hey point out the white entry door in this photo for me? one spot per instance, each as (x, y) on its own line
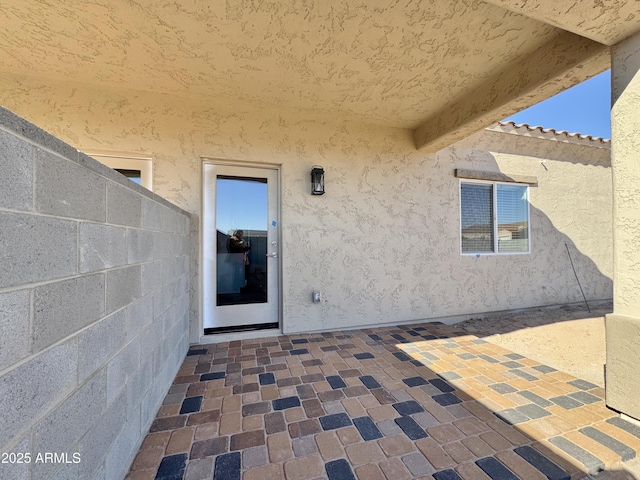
(240, 248)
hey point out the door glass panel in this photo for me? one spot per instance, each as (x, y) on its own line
(241, 229)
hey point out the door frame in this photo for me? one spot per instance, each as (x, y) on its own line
(201, 233)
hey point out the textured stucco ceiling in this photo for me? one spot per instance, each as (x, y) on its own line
(607, 22)
(386, 62)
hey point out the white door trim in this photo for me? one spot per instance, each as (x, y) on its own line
(206, 270)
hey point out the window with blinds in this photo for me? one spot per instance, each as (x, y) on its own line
(494, 217)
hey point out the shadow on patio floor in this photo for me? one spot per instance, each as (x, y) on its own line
(419, 401)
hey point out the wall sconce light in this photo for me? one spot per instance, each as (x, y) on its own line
(317, 180)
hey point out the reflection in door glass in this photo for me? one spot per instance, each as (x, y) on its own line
(241, 224)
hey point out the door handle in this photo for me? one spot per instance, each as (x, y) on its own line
(274, 254)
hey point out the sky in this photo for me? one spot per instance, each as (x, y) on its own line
(583, 109)
(241, 204)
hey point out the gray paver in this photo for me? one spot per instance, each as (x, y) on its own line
(566, 402)
(303, 446)
(512, 364)
(582, 384)
(257, 456)
(417, 464)
(502, 388)
(426, 420)
(584, 397)
(628, 427)
(533, 411)
(544, 369)
(511, 416)
(592, 463)
(389, 428)
(537, 399)
(524, 375)
(200, 469)
(489, 359)
(625, 452)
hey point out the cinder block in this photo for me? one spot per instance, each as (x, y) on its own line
(137, 387)
(151, 276)
(186, 224)
(168, 320)
(11, 121)
(169, 270)
(66, 189)
(69, 471)
(151, 214)
(162, 245)
(64, 307)
(184, 283)
(17, 471)
(124, 448)
(100, 342)
(67, 424)
(101, 474)
(36, 386)
(182, 265)
(139, 315)
(161, 301)
(101, 169)
(139, 246)
(170, 220)
(101, 247)
(121, 367)
(16, 172)
(98, 441)
(34, 249)
(15, 308)
(151, 338)
(124, 206)
(124, 286)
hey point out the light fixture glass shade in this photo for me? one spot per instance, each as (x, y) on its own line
(317, 180)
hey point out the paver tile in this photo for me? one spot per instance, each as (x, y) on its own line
(396, 445)
(394, 468)
(304, 468)
(415, 401)
(329, 445)
(471, 471)
(369, 472)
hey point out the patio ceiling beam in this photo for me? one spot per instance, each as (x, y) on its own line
(563, 62)
(604, 22)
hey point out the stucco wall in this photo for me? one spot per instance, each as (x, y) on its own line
(382, 244)
(93, 308)
(623, 326)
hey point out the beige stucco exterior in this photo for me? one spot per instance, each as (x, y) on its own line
(623, 327)
(383, 244)
(376, 92)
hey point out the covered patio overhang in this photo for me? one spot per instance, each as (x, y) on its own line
(440, 69)
(434, 72)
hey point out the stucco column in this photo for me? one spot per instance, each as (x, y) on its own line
(623, 326)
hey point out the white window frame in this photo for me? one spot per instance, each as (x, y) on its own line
(128, 161)
(494, 192)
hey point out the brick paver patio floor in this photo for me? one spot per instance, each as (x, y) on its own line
(418, 401)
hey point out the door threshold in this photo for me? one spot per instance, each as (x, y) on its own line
(240, 328)
(209, 338)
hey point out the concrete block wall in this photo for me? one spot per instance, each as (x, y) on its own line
(94, 309)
